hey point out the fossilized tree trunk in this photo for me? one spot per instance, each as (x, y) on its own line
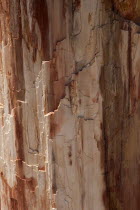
(69, 104)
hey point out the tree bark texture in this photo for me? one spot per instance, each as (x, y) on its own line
(69, 104)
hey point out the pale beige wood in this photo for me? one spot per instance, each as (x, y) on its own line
(69, 105)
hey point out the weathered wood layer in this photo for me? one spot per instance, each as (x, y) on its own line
(69, 104)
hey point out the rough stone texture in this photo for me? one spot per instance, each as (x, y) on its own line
(128, 9)
(69, 105)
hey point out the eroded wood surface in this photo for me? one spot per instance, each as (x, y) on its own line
(69, 105)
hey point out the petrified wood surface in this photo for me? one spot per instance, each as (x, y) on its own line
(128, 9)
(69, 105)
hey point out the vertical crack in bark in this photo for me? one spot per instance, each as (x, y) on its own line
(106, 196)
(40, 13)
(129, 66)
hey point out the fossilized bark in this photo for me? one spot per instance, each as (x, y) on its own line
(69, 104)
